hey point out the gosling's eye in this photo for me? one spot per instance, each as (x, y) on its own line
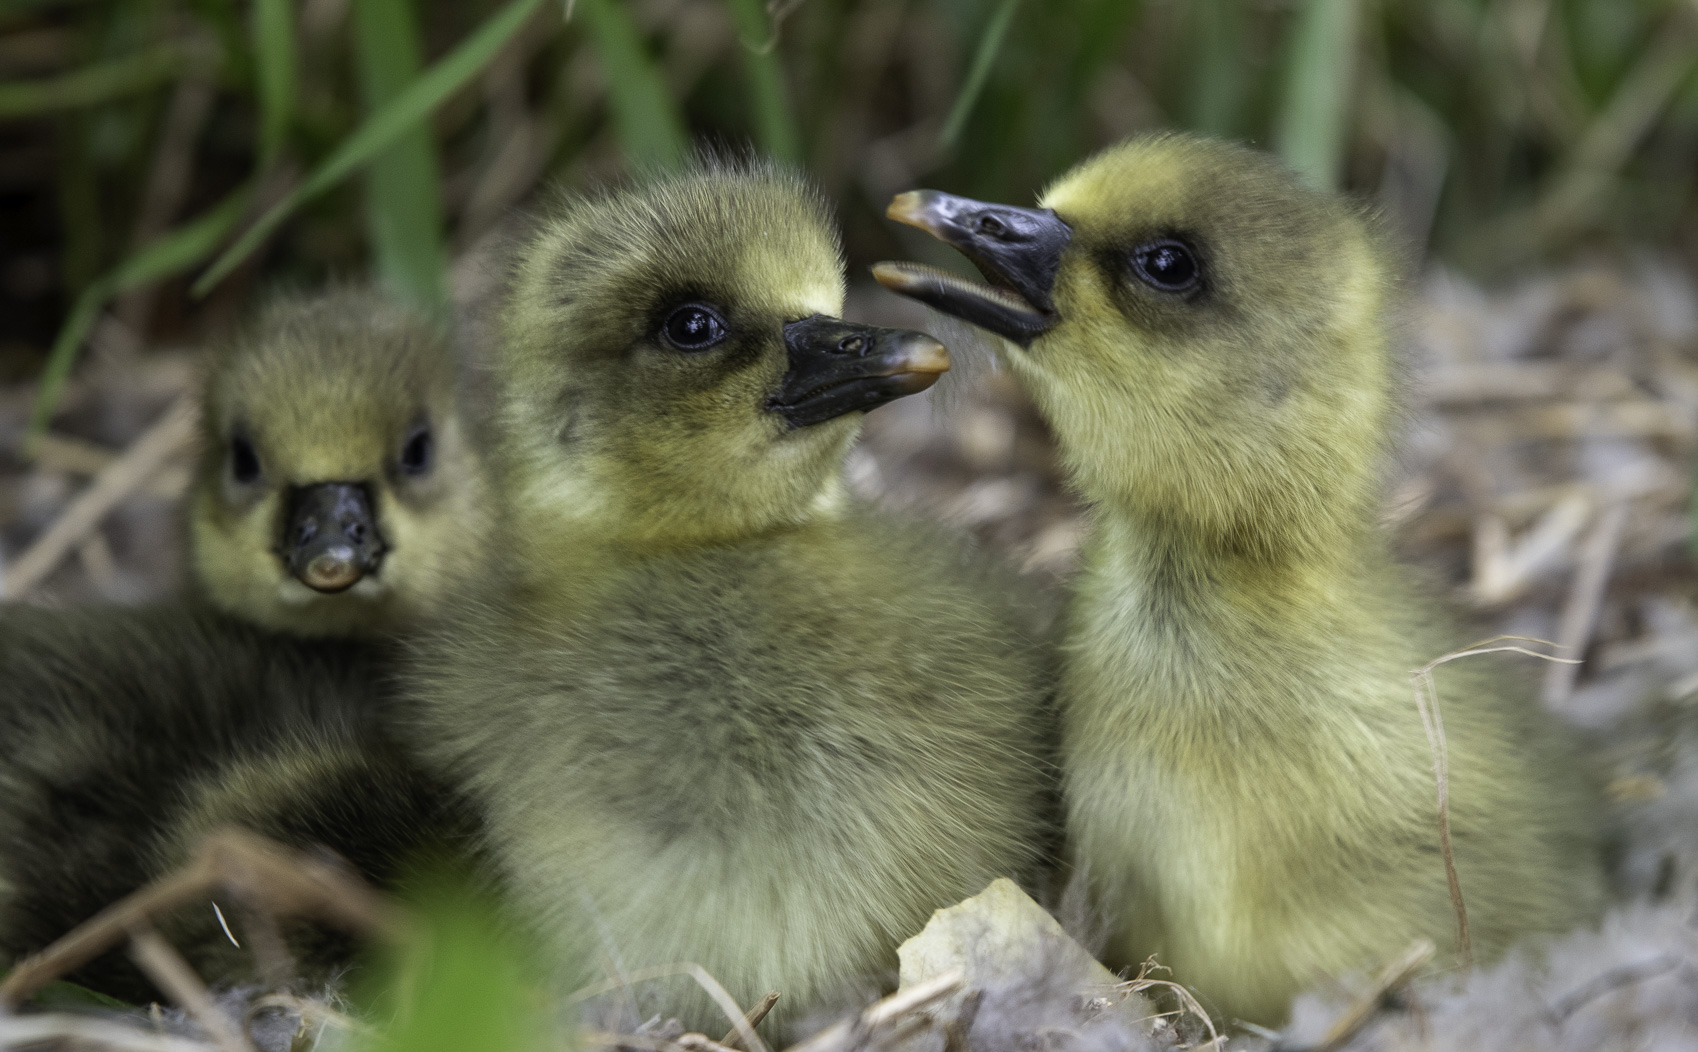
(244, 462)
(417, 452)
(1167, 265)
(693, 327)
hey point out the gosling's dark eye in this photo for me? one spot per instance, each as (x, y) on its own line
(416, 453)
(1167, 265)
(244, 462)
(693, 327)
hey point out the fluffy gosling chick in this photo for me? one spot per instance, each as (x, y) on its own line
(720, 714)
(338, 496)
(339, 492)
(1249, 789)
(127, 734)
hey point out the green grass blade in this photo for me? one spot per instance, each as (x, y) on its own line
(403, 203)
(91, 85)
(990, 45)
(648, 124)
(773, 123)
(1310, 127)
(275, 57)
(171, 254)
(380, 130)
(460, 984)
(1217, 89)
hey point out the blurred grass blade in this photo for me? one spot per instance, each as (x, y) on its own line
(403, 206)
(274, 57)
(990, 45)
(91, 84)
(773, 123)
(649, 127)
(461, 984)
(1217, 90)
(380, 130)
(1309, 129)
(171, 254)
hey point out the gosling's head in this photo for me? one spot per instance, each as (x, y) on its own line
(673, 369)
(1205, 334)
(338, 491)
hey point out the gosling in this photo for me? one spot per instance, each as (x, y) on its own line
(339, 500)
(340, 491)
(1249, 789)
(719, 713)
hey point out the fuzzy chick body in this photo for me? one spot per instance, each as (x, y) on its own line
(718, 714)
(331, 426)
(127, 734)
(1249, 788)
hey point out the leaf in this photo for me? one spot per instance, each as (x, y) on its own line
(61, 994)
(774, 126)
(403, 203)
(990, 45)
(380, 130)
(171, 254)
(91, 85)
(275, 56)
(649, 128)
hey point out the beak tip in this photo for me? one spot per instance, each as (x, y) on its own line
(909, 207)
(331, 574)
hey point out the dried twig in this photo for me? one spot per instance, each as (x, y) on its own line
(1188, 1003)
(173, 432)
(1432, 721)
(166, 967)
(1580, 613)
(897, 1009)
(756, 1014)
(1609, 982)
(1396, 974)
(239, 864)
(727, 1004)
(87, 1032)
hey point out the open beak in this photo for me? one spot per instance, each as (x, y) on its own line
(330, 537)
(839, 367)
(1017, 250)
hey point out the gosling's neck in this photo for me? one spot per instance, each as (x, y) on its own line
(572, 522)
(1189, 592)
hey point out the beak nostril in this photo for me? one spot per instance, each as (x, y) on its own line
(853, 345)
(991, 226)
(355, 532)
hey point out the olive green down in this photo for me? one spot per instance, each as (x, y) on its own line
(717, 712)
(1249, 789)
(330, 388)
(126, 734)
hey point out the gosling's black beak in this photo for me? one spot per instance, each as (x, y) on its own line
(330, 537)
(837, 367)
(1018, 250)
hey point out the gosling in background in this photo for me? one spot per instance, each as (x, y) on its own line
(1249, 789)
(339, 498)
(718, 713)
(340, 490)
